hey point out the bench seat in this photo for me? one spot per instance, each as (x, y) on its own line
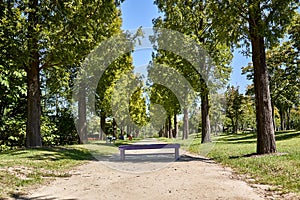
(122, 148)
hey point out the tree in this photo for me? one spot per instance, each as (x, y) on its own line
(259, 23)
(164, 96)
(234, 110)
(53, 34)
(189, 17)
(106, 88)
(283, 69)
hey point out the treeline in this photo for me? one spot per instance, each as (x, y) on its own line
(239, 114)
(44, 43)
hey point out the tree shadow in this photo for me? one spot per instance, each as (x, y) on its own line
(285, 135)
(189, 158)
(251, 137)
(60, 153)
(256, 155)
(19, 196)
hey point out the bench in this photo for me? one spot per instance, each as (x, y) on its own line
(122, 148)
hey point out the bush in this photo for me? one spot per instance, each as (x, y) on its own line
(12, 133)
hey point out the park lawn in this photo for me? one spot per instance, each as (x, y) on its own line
(237, 151)
(22, 168)
(282, 171)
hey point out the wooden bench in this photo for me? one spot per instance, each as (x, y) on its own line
(122, 148)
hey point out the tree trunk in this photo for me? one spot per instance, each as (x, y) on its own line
(185, 124)
(33, 132)
(114, 124)
(33, 127)
(128, 130)
(265, 129)
(273, 115)
(288, 119)
(233, 126)
(166, 133)
(137, 133)
(205, 117)
(170, 127)
(236, 125)
(281, 113)
(160, 133)
(82, 126)
(175, 127)
(102, 125)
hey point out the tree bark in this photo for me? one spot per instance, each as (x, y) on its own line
(33, 132)
(170, 126)
(175, 127)
(282, 124)
(288, 119)
(33, 127)
(166, 133)
(273, 115)
(205, 117)
(82, 126)
(102, 125)
(114, 124)
(265, 129)
(233, 126)
(185, 133)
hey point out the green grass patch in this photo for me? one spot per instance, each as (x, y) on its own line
(238, 152)
(280, 171)
(26, 167)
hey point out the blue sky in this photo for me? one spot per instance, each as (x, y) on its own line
(136, 13)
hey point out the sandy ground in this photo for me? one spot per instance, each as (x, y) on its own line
(139, 177)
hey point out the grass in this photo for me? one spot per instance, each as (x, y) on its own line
(25, 167)
(280, 171)
(22, 168)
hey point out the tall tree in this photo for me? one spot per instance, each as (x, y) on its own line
(54, 34)
(106, 88)
(234, 110)
(259, 23)
(189, 17)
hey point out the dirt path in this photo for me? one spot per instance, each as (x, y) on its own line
(191, 177)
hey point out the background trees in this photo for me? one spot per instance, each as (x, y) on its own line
(190, 18)
(42, 44)
(42, 35)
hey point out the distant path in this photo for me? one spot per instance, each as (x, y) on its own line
(191, 177)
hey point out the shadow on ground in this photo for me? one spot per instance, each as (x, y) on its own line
(251, 137)
(17, 196)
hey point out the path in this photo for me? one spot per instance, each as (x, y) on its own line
(189, 178)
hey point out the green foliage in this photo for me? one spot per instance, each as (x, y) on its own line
(230, 20)
(138, 108)
(165, 97)
(283, 68)
(295, 118)
(53, 37)
(233, 106)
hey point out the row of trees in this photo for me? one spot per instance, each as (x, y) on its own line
(43, 44)
(257, 25)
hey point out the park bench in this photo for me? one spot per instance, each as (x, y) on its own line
(122, 148)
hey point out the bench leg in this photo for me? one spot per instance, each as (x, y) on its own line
(122, 154)
(176, 153)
